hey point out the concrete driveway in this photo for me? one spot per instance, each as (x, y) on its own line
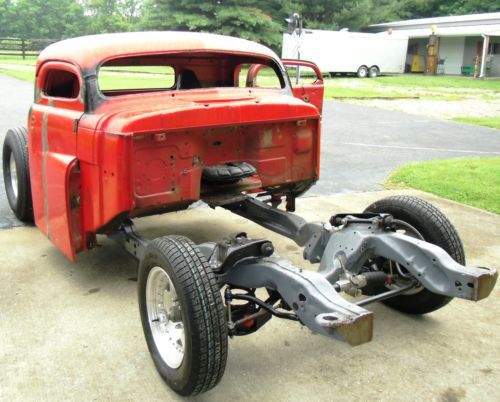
(73, 332)
(360, 145)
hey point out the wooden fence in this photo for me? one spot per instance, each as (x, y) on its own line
(23, 47)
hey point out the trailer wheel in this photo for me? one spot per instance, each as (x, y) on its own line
(373, 72)
(433, 226)
(16, 173)
(182, 315)
(362, 72)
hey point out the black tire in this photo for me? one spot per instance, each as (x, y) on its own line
(203, 314)
(373, 72)
(362, 72)
(15, 148)
(435, 228)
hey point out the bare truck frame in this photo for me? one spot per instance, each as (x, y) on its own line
(342, 247)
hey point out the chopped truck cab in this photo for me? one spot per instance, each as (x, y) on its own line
(135, 124)
(101, 156)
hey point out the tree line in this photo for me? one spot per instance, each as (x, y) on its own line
(259, 20)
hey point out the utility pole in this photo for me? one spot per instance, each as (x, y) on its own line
(295, 24)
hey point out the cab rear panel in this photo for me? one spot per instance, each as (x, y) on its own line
(140, 172)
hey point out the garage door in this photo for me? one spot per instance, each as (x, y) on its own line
(452, 50)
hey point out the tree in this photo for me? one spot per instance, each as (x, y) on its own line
(227, 17)
(262, 20)
(458, 7)
(112, 15)
(6, 18)
(337, 14)
(52, 19)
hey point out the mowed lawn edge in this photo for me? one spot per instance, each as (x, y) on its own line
(471, 181)
(489, 121)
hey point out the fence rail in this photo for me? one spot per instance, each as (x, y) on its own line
(23, 47)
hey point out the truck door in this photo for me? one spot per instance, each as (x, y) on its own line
(309, 86)
(309, 89)
(54, 172)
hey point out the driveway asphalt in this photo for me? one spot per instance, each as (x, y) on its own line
(361, 145)
(15, 100)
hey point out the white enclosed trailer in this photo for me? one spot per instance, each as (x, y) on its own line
(364, 54)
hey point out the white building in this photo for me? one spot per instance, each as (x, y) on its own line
(460, 39)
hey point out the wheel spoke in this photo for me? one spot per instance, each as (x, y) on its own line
(165, 317)
(13, 175)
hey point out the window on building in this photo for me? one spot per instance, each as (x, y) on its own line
(494, 48)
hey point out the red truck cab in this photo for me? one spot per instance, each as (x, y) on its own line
(102, 153)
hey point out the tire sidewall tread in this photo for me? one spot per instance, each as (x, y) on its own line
(203, 314)
(435, 228)
(16, 143)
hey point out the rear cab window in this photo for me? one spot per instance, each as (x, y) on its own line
(193, 71)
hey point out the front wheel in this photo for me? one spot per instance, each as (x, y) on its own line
(429, 224)
(182, 315)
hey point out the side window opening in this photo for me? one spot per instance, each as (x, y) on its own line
(258, 75)
(61, 84)
(301, 74)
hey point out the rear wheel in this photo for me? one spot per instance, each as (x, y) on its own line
(430, 224)
(362, 72)
(16, 174)
(182, 315)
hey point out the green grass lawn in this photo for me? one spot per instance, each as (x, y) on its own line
(25, 75)
(439, 81)
(411, 85)
(493, 121)
(18, 60)
(338, 92)
(472, 181)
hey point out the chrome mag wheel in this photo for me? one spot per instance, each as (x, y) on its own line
(13, 175)
(165, 317)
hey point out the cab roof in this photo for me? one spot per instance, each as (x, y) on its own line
(89, 51)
